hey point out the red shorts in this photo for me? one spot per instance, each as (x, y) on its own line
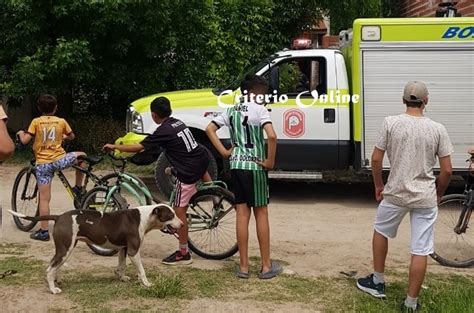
(184, 192)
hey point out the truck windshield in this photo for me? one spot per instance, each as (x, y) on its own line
(249, 70)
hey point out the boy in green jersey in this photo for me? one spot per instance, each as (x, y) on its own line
(249, 163)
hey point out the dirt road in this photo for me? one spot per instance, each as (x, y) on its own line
(319, 229)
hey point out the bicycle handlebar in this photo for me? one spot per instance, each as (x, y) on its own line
(115, 158)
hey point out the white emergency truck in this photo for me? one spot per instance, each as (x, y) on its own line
(357, 86)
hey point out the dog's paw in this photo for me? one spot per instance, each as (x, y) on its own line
(56, 291)
(147, 284)
(124, 278)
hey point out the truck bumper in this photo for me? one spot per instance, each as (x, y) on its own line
(129, 139)
(145, 157)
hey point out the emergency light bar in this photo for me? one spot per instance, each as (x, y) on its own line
(302, 43)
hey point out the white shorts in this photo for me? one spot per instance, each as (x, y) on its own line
(389, 217)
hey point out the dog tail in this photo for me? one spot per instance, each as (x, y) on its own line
(35, 218)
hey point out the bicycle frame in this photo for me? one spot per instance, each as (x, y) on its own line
(131, 185)
(88, 175)
(205, 219)
(66, 184)
(28, 175)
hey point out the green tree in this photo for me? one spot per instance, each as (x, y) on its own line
(111, 52)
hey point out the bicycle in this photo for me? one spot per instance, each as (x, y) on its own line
(25, 196)
(454, 241)
(208, 217)
(211, 217)
(29, 191)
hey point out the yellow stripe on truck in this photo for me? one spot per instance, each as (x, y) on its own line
(420, 29)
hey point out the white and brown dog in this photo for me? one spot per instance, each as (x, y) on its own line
(123, 230)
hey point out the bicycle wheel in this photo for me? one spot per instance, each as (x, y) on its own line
(453, 249)
(133, 200)
(25, 198)
(95, 199)
(211, 221)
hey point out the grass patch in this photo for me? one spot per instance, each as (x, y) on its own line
(28, 271)
(13, 248)
(164, 287)
(97, 289)
(142, 170)
(444, 293)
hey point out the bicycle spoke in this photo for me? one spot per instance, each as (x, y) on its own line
(449, 245)
(219, 237)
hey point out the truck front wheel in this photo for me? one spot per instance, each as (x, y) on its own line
(166, 182)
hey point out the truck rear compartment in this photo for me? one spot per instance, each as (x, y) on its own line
(449, 75)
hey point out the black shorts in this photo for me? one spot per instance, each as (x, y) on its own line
(250, 187)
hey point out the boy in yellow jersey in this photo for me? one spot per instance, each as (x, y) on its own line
(48, 132)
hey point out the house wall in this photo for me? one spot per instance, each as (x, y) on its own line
(427, 8)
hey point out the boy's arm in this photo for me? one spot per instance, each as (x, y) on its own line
(377, 159)
(444, 177)
(123, 148)
(6, 144)
(269, 162)
(211, 132)
(24, 137)
(445, 149)
(68, 134)
(377, 168)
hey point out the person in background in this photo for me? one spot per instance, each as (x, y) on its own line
(6, 144)
(413, 144)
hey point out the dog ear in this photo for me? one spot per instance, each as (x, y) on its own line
(163, 212)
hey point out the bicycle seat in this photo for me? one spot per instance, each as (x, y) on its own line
(92, 160)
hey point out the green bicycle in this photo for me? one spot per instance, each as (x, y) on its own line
(211, 213)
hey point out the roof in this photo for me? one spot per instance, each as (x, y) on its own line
(414, 20)
(308, 52)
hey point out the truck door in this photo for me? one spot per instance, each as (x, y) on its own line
(307, 137)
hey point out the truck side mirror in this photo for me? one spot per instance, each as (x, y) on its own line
(274, 79)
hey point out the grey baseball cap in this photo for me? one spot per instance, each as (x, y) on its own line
(415, 91)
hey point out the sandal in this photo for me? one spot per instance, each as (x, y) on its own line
(275, 270)
(240, 274)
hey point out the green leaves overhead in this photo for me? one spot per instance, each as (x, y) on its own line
(127, 49)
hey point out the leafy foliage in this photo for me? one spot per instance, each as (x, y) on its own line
(116, 51)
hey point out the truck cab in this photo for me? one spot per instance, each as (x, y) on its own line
(309, 105)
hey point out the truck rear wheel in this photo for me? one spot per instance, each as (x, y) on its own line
(166, 183)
